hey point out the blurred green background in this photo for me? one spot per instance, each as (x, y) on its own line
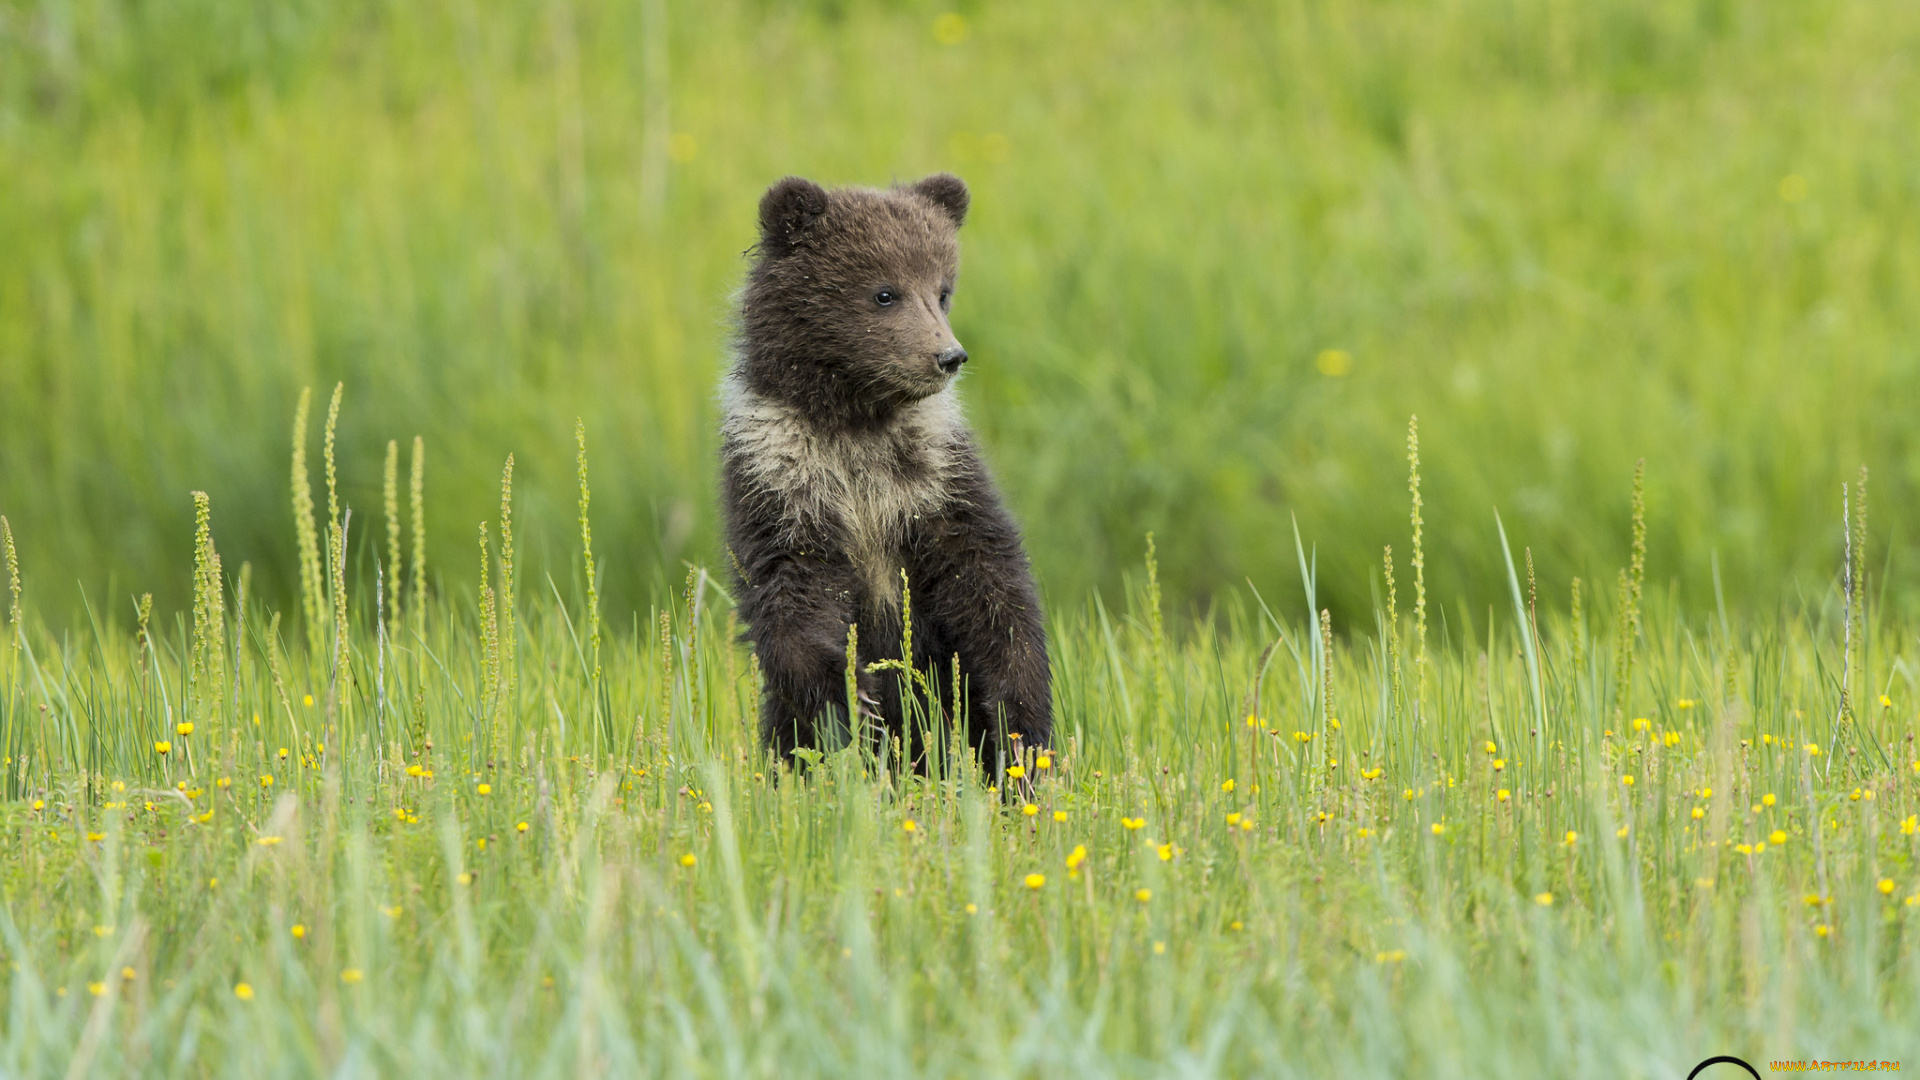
(1218, 253)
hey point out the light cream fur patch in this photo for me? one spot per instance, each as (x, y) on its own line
(871, 484)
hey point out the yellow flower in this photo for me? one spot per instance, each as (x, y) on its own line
(1393, 956)
(1370, 774)
(1627, 780)
(96, 988)
(243, 991)
(1621, 832)
(283, 753)
(127, 974)
(1768, 799)
(267, 841)
(39, 804)
(1706, 793)
(1490, 748)
(1503, 794)
(1363, 833)
(1226, 786)
(1246, 824)
(1035, 881)
(96, 837)
(950, 28)
(1159, 948)
(484, 789)
(351, 976)
(1044, 761)
(1016, 772)
(973, 909)
(1698, 813)
(162, 747)
(1334, 724)
(1233, 818)
(1812, 899)
(391, 912)
(1572, 838)
(1911, 825)
(1059, 815)
(183, 728)
(522, 827)
(1077, 856)
(1544, 899)
(223, 783)
(688, 859)
(1855, 797)
(1777, 838)
(1166, 852)
(1236, 925)
(1886, 886)
(1886, 702)
(1766, 740)
(465, 878)
(307, 701)
(1499, 764)
(1407, 794)
(1685, 703)
(266, 781)
(1143, 895)
(1671, 738)
(299, 931)
(1640, 723)
(1439, 829)
(416, 770)
(1253, 721)
(1821, 930)
(1813, 750)
(908, 825)
(1303, 737)
(1030, 810)
(1133, 822)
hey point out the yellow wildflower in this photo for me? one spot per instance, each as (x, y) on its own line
(1233, 818)
(1030, 810)
(351, 976)
(243, 991)
(1886, 886)
(162, 747)
(483, 789)
(1503, 795)
(688, 859)
(1544, 899)
(1035, 881)
(1777, 838)
(184, 728)
(1166, 852)
(1044, 761)
(1059, 815)
(1768, 799)
(908, 825)
(299, 931)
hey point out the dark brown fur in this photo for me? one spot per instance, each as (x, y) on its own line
(845, 462)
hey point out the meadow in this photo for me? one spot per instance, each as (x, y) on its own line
(411, 834)
(1583, 746)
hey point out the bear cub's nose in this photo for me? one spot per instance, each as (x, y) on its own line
(951, 358)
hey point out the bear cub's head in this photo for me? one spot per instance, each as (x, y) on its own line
(845, 312)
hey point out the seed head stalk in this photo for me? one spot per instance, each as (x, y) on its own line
(1419, 571)
(311, 586)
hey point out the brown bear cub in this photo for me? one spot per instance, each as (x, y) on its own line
(846, 461)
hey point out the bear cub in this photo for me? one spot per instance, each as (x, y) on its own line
(846, 461)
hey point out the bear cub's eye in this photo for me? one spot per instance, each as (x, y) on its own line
(885, 297)
(946, 297)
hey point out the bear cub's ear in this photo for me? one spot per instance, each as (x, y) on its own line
(787, 210)
(946, 191)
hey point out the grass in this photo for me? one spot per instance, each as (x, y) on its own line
(475, 835)
(1219, 252)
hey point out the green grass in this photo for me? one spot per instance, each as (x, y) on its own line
(499, 862)
(1554, 231)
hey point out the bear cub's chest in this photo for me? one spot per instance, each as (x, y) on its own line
(862, 488)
